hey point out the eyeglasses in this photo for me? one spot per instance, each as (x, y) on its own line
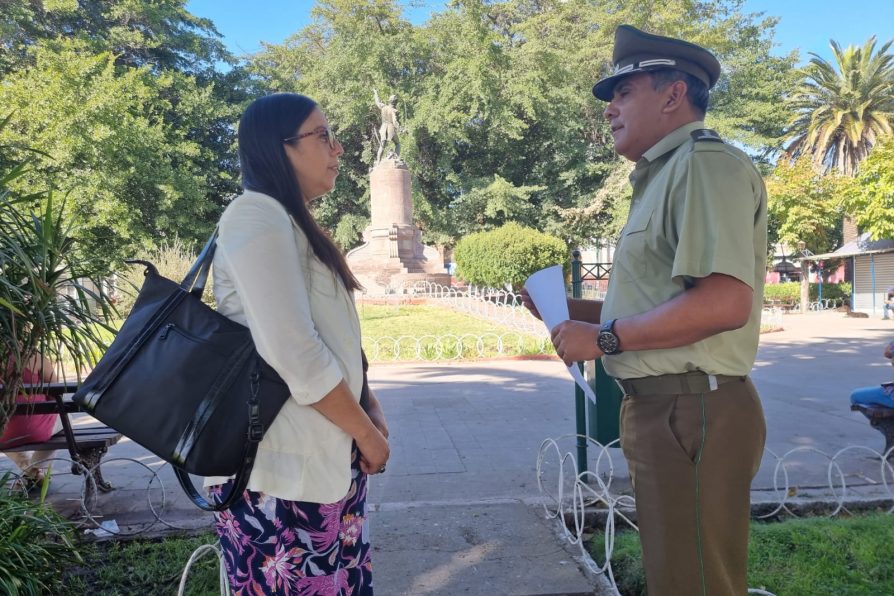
(324, 132)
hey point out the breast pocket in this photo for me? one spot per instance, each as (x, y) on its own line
(631, 257)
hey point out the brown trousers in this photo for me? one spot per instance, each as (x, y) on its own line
(692, 458)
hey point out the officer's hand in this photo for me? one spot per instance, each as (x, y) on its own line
(575, 341)
(529, 304)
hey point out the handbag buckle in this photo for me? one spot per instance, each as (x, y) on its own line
(255, 427)
(255, 431)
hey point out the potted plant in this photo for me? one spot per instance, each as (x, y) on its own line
(50, 304)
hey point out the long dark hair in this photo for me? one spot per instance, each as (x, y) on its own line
(266, 169)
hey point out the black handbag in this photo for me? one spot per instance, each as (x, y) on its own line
(186, 383)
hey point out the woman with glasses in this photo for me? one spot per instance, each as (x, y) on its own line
(300, 527)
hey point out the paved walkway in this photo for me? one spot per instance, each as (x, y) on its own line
(459, 510)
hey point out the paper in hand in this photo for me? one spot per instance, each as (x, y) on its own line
(547, 289)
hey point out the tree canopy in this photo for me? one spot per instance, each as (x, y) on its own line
(132, 114)
(806, 205)
(871, 193)
(495, 101)
(843, 109)
(133, 106)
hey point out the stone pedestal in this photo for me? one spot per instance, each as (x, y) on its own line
(393, 256)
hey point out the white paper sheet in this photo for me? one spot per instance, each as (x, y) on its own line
(547, 289)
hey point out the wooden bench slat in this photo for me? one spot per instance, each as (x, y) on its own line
(86, 446)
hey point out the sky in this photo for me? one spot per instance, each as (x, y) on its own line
(807, 25)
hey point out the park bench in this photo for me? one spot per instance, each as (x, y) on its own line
(881, 419)
(783, 305)
(86, 446)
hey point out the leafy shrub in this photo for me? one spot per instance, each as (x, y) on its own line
(36, 544)
(172, 259)
(507, 255)
(790, 291)
(52, 302)
(840, 290)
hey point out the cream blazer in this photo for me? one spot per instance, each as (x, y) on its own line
(304, 324)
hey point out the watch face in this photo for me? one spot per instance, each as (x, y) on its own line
(608, 342)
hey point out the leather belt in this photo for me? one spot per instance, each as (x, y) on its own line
(691, 382)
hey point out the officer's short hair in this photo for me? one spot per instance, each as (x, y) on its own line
(696, 90)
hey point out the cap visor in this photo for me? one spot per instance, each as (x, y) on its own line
(604, 87)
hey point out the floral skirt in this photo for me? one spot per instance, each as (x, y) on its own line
(274, 546)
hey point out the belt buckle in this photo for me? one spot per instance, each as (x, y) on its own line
(712, 383)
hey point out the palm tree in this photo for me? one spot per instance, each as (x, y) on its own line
(843, 109)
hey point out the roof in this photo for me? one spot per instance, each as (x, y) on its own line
(862, 245)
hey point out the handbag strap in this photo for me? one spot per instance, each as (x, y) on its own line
(195, 279)
(253, 439)
(364, 390)
(240, 482)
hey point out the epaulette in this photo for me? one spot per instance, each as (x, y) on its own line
(705, 134)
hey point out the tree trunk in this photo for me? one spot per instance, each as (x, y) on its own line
(805, 285)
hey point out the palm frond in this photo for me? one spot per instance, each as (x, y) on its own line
(842, 107)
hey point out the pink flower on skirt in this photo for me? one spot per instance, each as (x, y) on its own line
(279, 571)
(325, 585)
(228, 525)
(352, 526)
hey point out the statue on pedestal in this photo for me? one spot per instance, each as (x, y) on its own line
(393, 257)
(390, 127)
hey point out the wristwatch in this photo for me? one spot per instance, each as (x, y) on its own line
(607, 341)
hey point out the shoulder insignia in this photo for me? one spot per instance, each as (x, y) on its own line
(705, 134)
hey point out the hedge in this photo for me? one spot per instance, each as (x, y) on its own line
(507, 255)
(791, 291)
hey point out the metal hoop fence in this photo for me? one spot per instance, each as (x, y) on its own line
(497, 306)
(575, 493)
(88, 515)
(454, 347)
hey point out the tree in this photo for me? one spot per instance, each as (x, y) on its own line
(161, 34)
(843, 109)
(128, 100)
(106, 135)
(806, 205)
(871, 193)
(495, 99)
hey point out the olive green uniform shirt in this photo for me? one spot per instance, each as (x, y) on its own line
(699, 207)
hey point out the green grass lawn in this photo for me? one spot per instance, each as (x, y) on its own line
(428, 323)
(798, 557)
(143, 567)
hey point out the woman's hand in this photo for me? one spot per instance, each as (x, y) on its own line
(341, 408)
(374, 451)
(375, 413)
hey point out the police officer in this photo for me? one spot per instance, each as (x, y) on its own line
(679, 325)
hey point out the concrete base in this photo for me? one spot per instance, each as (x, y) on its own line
(393, 254)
